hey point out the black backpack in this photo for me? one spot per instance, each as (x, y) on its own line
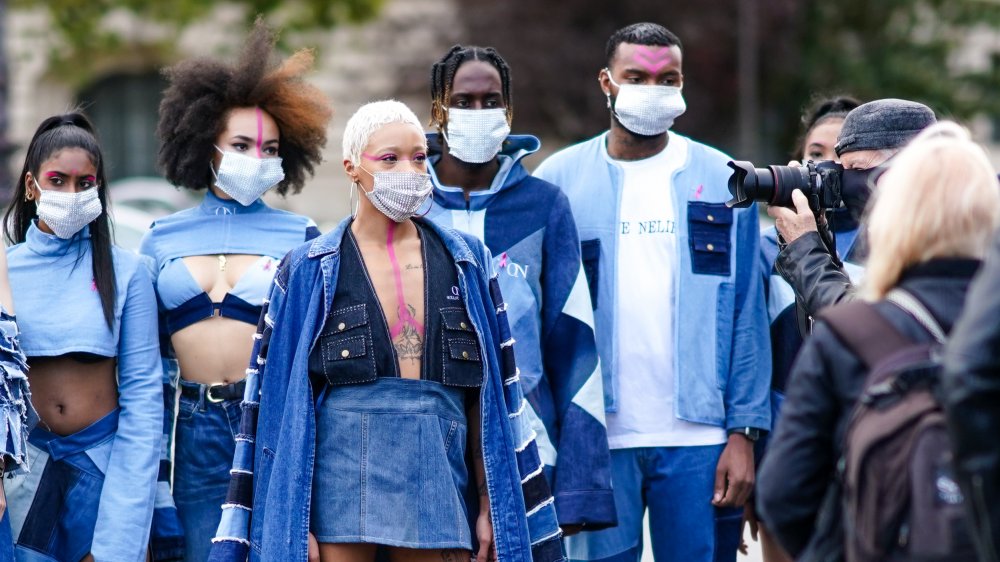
(900, 500)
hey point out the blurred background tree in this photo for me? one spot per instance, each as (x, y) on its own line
(750, 66)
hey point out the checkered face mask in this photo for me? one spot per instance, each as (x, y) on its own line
(399, 195)
(476, 135)
(67, 213)
(646, 110)
(245, 178)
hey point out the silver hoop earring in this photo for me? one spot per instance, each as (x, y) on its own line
(351, 201)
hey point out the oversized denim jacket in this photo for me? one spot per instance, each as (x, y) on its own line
(723, 357)
(527, 225)
(266, 515)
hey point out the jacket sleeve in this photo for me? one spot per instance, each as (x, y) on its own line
(582, 476)
(543, 528)
(971, 384)
(127, 498)
(17, 415)
(810, 269)
(800, 463)
(747, 393)
(232, 538)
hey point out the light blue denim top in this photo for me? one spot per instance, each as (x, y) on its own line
(59, 312)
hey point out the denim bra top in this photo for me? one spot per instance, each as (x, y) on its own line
(59, 310)
(220, 226)
(355, 346)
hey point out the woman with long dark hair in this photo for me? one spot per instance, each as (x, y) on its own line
(234, 131)
(88, 329)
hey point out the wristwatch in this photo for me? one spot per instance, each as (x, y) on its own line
(751, 433)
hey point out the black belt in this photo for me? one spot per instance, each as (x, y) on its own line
(215, 392)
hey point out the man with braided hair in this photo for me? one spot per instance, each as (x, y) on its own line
(482, 188)
(234, 131)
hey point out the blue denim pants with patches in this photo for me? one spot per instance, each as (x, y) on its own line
(205, 440)
(676, 485)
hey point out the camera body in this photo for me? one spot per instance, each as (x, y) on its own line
(821, 182)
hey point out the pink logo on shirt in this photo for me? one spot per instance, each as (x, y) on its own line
(93, 284)
(697, 192)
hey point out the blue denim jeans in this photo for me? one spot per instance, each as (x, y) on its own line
(676, 485)
(203, 454)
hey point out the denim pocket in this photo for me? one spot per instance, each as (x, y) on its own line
(343, 353)
(709, 225)
(590, 253)
(462, 364)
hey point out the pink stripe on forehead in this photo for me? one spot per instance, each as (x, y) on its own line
(652, 59)
(260, 131)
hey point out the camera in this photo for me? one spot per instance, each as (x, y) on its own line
(820, 182)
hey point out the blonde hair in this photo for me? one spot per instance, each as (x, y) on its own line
(940, 198)
(369, 118)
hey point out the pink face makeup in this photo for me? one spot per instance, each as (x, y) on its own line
(374, 158)
(653, 59)
(260, 131)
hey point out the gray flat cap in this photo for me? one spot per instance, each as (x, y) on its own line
(879, 124)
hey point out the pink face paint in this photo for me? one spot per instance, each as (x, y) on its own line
(652, 59)
(260, 131)
(405, 318)
(52, 174)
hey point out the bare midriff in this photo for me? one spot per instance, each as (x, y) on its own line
(70, 395)
(217, 349)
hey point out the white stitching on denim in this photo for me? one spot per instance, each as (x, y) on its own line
(540, 506)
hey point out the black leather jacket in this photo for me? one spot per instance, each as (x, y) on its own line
(971, 386)
(817, 279)
(824, 384)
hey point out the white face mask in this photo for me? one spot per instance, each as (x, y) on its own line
(398, 195)
(245, 178)
(476, 135)
(646, 110)
(67, 213)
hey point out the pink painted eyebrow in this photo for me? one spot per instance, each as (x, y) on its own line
(73, 173)
(367, 156)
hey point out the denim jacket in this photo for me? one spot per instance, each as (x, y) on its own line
(17, 415)
(266, 515)
(528, 227)
(60, 312)
(723, 358)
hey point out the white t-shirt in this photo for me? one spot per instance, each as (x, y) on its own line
(647, 276)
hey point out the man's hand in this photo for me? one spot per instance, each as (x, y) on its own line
(749, 518)
(793, 224)
(734, 474)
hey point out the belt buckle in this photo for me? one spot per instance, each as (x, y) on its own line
(208, 393)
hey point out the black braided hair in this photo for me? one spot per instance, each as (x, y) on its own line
(443, 76)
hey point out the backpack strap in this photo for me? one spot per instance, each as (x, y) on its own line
(903, 299)
(866, 332)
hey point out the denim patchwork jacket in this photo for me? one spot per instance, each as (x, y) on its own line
(528, 227)
(723, 357)
(59, 312)
(266, 515)
(17, 415)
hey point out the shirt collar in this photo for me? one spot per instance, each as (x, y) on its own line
(215, 205)
(45, 244)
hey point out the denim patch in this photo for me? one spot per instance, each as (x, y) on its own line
(590, 253)
(709, 226)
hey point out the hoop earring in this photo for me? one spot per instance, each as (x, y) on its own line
(429, 207)
(354, 205)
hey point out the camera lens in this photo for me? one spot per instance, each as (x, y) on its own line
(772, 185)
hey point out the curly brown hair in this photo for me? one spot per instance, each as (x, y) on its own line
(202, 91)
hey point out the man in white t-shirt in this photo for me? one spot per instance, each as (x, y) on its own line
(680, 320)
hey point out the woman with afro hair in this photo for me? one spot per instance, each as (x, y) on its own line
(235, 131)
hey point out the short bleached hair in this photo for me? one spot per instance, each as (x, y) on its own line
(939, 199)
(370, 118)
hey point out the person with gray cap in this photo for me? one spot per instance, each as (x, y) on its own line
(872, 134)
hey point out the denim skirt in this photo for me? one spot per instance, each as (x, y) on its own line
(390, 465)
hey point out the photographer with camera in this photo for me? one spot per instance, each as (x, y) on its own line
(872, 134)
